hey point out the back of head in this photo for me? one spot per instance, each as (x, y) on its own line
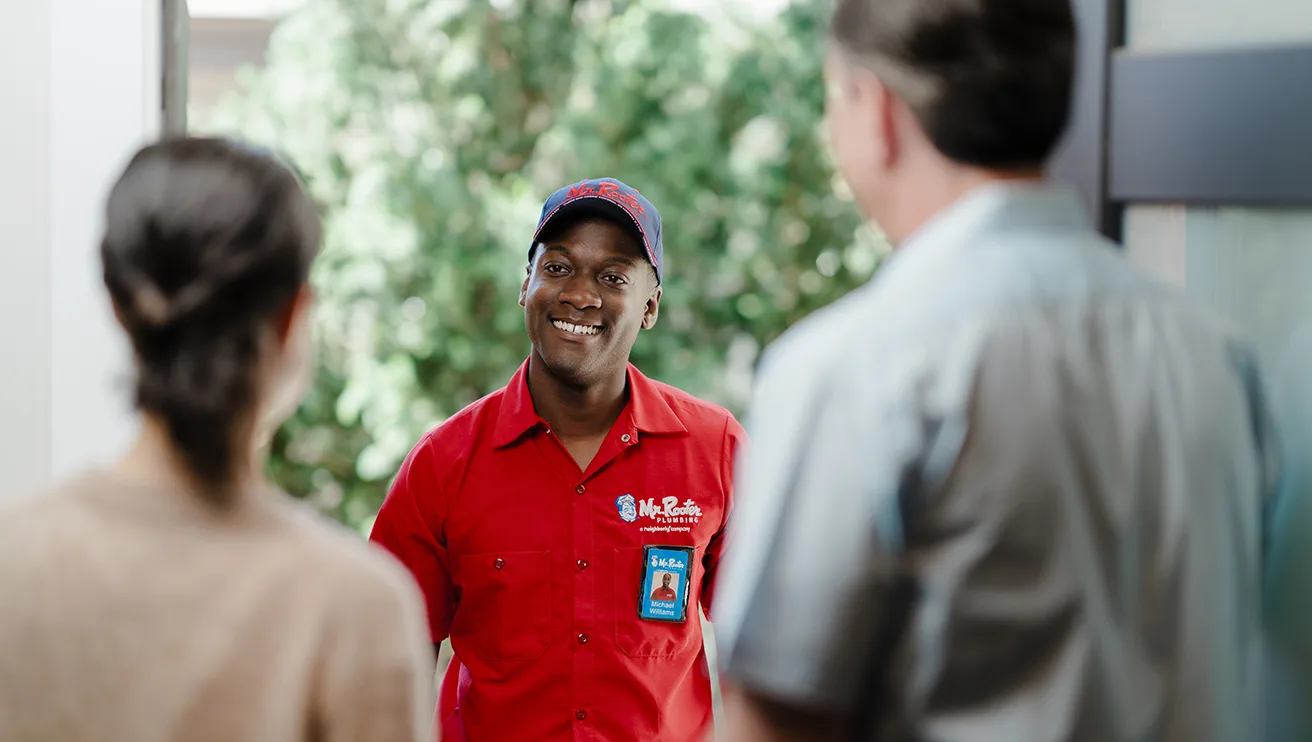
(988, 80)
(207, 244)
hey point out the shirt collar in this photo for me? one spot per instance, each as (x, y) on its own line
(986, 210)
(648, 411)
(517, 415)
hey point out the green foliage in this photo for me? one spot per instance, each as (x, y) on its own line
(432, 131)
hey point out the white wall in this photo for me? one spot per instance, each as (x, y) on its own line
(80, 91)
(24, 241)
(1192, 25)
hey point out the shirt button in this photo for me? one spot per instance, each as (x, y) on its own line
(625, 437)
(580, 714)
(580, 489)
(583, 638)
(583, 564)
(499, 563)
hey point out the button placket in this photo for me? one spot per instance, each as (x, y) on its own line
(583, 658)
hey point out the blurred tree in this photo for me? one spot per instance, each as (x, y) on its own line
(431, 131)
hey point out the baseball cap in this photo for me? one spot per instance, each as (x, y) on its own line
(614, 201)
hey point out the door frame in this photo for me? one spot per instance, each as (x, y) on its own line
(175, 25)
(1208, 127)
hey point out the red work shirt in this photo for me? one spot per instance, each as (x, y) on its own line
(666, 594)
(534, 568)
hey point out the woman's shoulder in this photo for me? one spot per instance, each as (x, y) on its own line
(30, 515)
(355, 569)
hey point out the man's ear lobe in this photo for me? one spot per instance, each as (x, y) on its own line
(893, 113)
(652, 310)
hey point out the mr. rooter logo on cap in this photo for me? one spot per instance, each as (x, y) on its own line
(614, 200)
(606, 189)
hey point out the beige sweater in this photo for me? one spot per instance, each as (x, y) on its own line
(130, 614)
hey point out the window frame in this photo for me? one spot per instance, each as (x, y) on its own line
(1206, 127)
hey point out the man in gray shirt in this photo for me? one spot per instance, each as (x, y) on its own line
(1012, 490)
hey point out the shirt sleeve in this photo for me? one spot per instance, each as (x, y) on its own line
(815, 577)
(377, 674)
(411, 526)
(734, 437)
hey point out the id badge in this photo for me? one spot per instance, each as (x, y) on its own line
(664, 594)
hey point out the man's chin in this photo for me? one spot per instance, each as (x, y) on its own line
(569, 369)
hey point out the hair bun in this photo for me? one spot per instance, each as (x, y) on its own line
(151, 306)
(206, 241)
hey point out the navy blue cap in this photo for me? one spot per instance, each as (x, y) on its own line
(610, 199)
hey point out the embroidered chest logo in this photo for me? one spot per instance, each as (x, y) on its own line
(627, 507)
(666, 516)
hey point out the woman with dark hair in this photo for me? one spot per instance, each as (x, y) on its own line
(177, 595)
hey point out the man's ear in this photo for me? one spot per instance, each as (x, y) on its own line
(888, 117)
(523, 288)
(652, 310)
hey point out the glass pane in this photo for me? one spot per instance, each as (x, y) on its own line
(1154, 239)
(226, 37)
(1252, 265)
(1255, 267)
(1160, 25)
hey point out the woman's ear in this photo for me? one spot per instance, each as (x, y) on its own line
(296, 309)
(118, 315)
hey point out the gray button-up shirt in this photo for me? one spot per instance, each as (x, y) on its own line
(1010, 491)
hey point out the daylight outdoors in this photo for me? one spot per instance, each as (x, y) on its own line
(431, 132)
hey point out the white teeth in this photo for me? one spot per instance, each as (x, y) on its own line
(575, 329)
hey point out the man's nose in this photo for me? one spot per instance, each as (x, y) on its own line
(581, 293)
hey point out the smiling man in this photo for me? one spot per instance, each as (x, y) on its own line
(537, 519)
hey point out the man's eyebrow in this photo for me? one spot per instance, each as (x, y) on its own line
(563, 249)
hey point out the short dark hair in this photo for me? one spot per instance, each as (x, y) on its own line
(206, 242)
(989, 80)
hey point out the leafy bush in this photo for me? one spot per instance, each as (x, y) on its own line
(432, 131)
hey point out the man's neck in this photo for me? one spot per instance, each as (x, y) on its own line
(911, 206)
(573, 411)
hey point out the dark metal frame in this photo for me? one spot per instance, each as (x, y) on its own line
(1082, 158)
(175, 21)
(1208, 127)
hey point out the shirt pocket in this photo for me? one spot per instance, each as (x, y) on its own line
(638, 638)
(505, 610)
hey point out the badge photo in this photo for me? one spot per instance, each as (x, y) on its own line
(665, 584)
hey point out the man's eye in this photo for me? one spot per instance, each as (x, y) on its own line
(612, 278)
(554, 268)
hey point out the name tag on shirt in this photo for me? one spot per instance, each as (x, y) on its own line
(664, 594)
